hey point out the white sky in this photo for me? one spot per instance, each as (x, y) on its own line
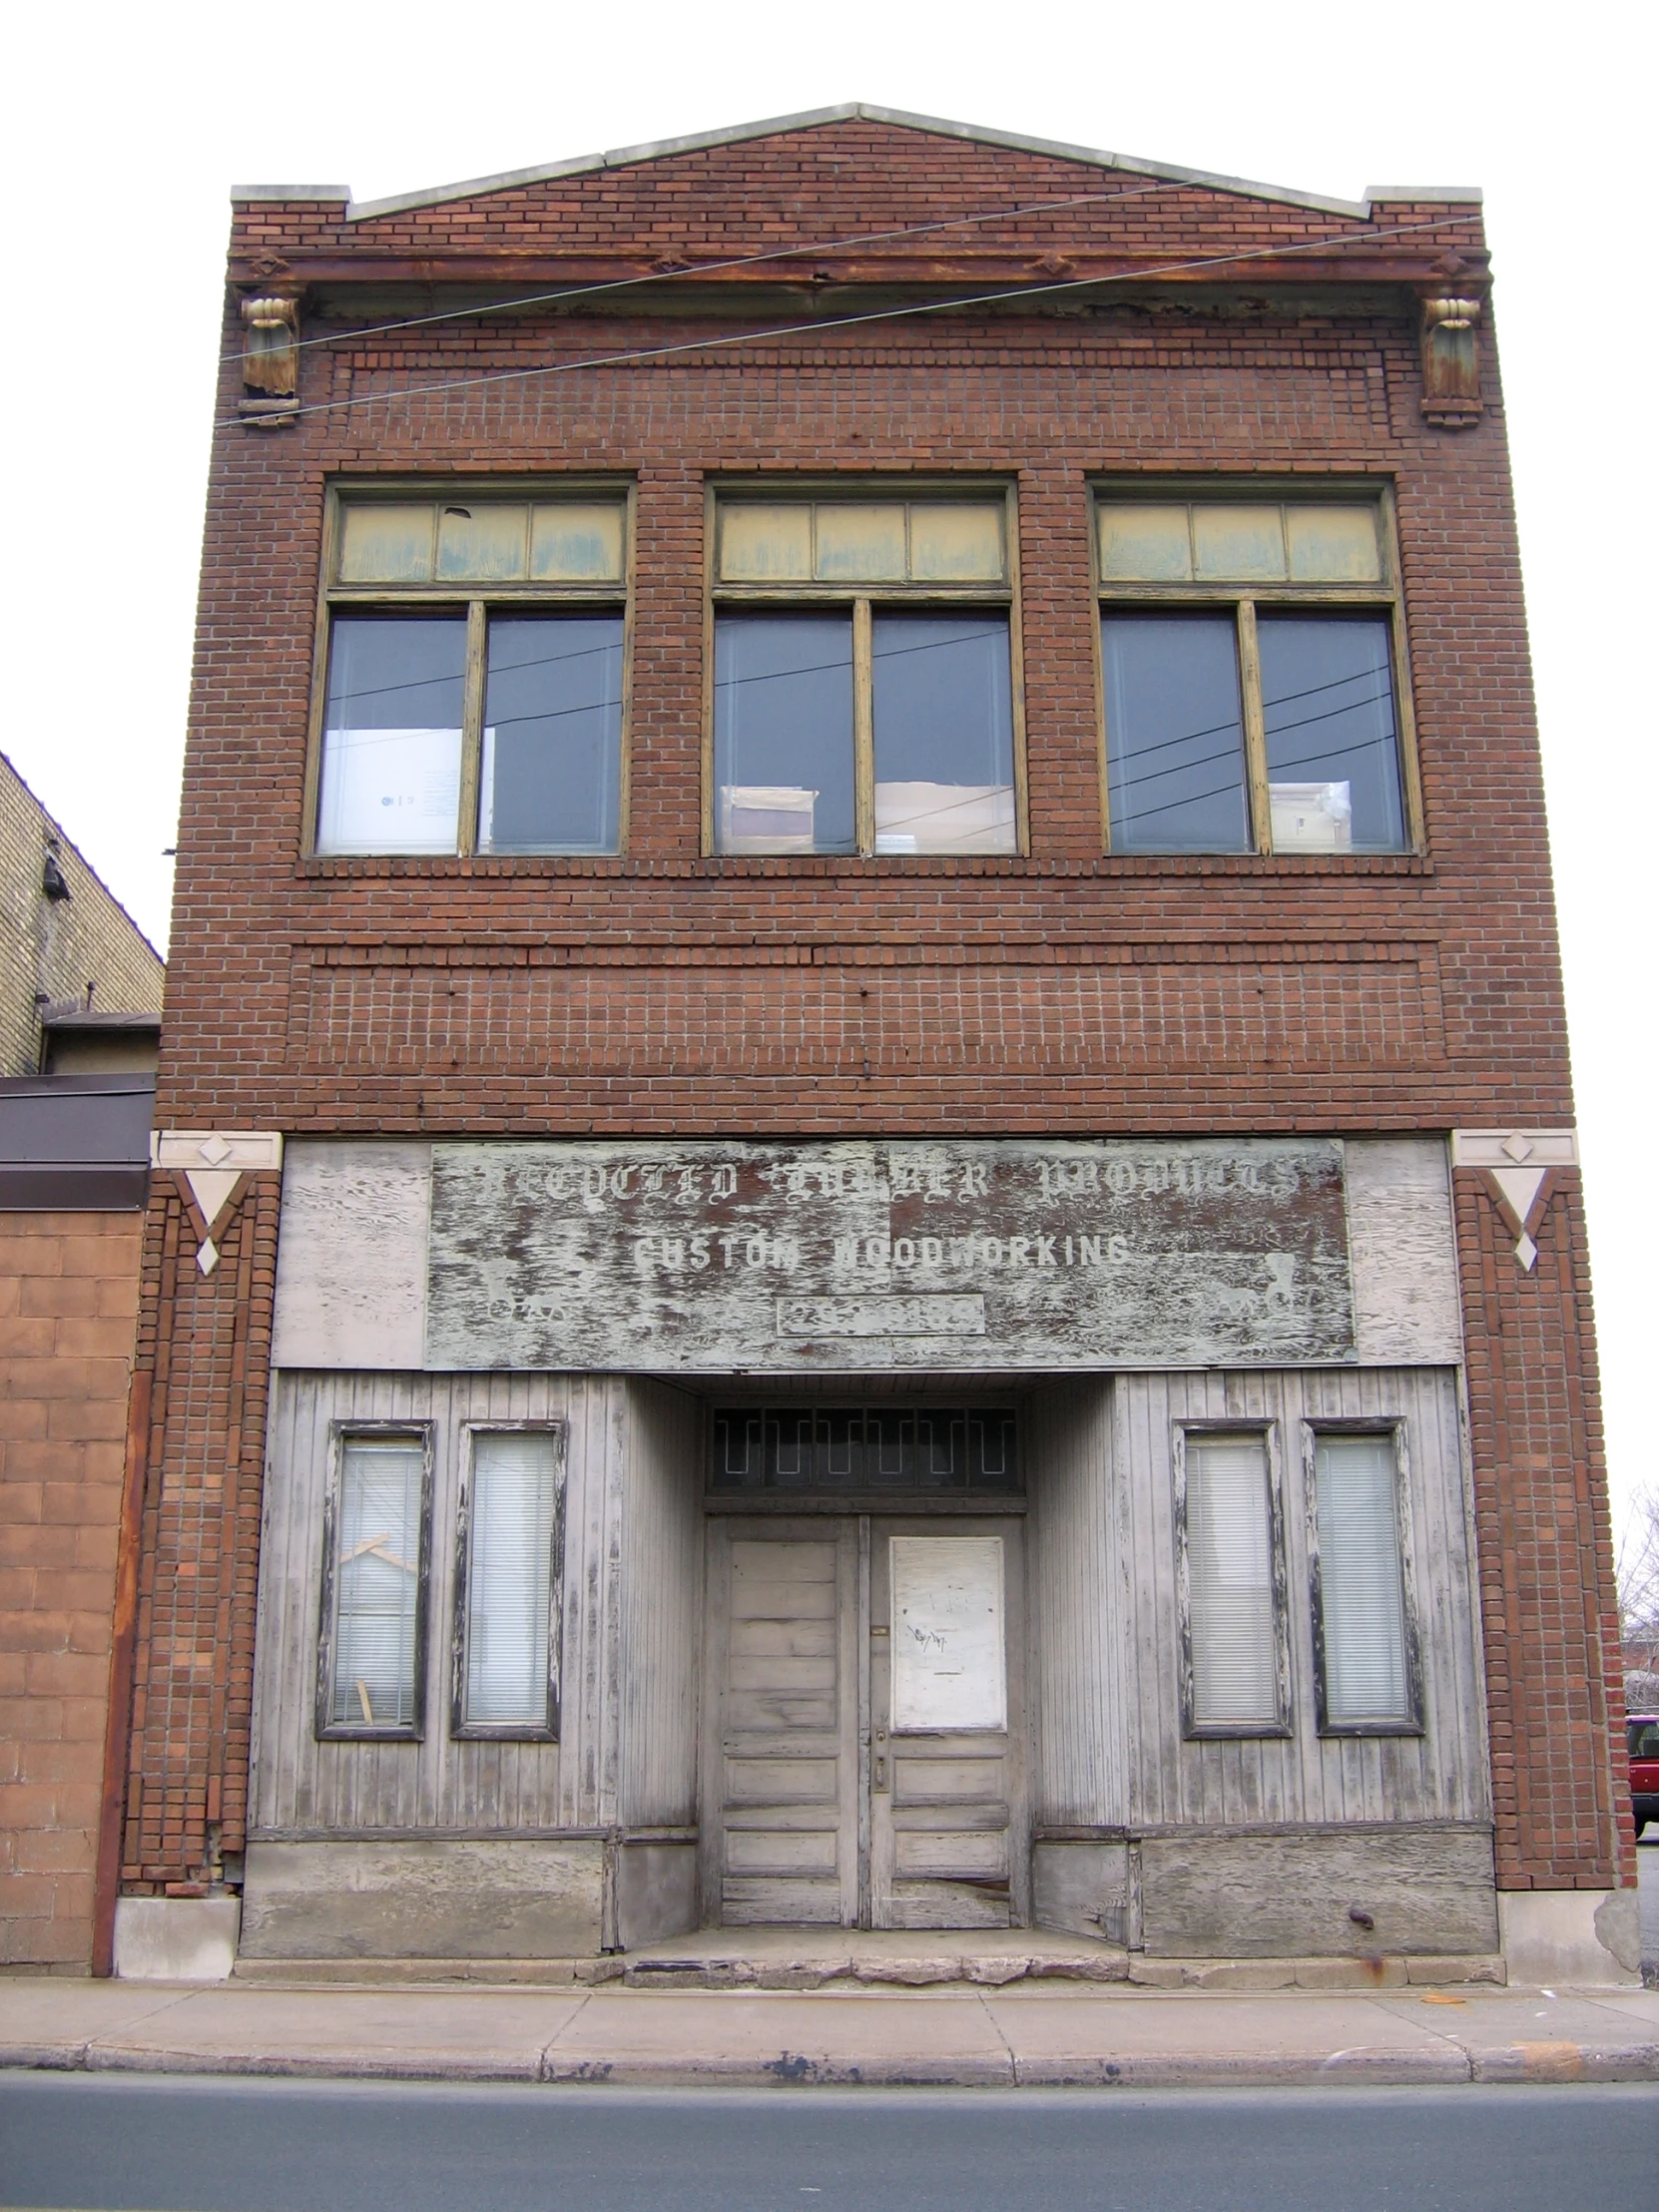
(127, 126)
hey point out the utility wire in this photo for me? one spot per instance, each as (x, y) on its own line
(715, 268)
(816, 328)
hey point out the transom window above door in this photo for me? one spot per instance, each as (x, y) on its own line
(470, 692)
(874, 1447)
(1253, 660)
(864, 695)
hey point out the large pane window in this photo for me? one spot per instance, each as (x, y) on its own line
(374, 1609)
(1175, 748)
(863, 696)
(1250, 652)
(474, 693)
(784, 764)
(1328, 711)
(550, 779)
(1366, 1670)
(1234, 1625)
(506, 1587)
(944, 734)
(391, 734)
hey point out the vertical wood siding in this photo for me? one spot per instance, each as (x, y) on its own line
(1079, 1665)
(1441, 1775)
(301, 1786)
(662, 1607)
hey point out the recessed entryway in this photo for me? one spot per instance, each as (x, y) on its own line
(862, 1749)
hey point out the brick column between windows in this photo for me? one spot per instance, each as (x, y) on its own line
(206, 1340)
(1554, 1675)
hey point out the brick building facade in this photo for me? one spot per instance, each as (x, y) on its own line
(1282, 1487)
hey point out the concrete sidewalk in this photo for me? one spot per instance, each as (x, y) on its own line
(1026, 2034)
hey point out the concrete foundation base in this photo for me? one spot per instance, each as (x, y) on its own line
(175, 1939)
(1575, 1937)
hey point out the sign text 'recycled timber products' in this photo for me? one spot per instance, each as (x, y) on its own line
(974, 1255)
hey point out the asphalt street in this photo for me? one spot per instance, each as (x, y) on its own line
(193, 2144)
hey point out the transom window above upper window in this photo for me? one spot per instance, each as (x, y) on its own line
(864, 695)
(1253, 676)
(472, 694)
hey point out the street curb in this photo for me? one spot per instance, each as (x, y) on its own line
(1364, 2066)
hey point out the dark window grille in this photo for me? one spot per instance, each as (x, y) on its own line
(931, 1449)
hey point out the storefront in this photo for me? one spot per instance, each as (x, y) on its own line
(916, 1534)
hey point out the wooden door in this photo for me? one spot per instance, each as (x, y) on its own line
(781, 1740)
(949, 1828)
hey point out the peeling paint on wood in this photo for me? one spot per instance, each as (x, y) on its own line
(801, 1258)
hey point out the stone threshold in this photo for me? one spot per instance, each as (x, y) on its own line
(809, 1958)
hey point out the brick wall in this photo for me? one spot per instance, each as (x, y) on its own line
(665, 991)
(1554, 1673)
(59, 946)
(67, 1299)
(205, 1342)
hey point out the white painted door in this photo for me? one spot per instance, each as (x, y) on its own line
(948, 1841)
(862, 1760)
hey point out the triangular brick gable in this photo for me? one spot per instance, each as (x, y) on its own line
(810, 180)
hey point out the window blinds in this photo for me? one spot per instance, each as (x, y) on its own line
(377, 1583)
(1230, 1583)
(1362, 1603)
(510, 1579)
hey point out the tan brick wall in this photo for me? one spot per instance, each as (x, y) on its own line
(68, 1300)
(59, 946)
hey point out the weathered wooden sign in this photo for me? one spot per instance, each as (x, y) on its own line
(974, 1255)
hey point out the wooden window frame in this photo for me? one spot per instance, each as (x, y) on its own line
(325, 1728)
(462, 1729)
(477, 604)
(1282, 1726)
(1312, 1431)
(1386, 598)
(865, 601)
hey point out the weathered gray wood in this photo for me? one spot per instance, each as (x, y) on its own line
(300, 1787)
(351, 1255)
(662, 1607)
(1407, 1304)
(423, 1899)
(949, 1821)
(1292, 1893)
(1436, 1776)
(781, 1748)
(830, 1257)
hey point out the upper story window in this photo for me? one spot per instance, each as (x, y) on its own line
(1252, 656)
(472, 697)
(866, 697)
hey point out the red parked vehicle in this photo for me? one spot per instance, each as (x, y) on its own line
(1643, 1729)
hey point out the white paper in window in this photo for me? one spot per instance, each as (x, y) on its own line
(389, 791)
(1312, 818)
(1230, 1583)
(767, 818)
(1360, 1597)
(945, 817)
(510, 1579)
(376, 1583)
(949, 1664)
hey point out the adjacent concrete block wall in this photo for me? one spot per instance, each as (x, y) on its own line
(68, 1300)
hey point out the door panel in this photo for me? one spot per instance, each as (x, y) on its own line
(818, 1811)
(782, 1635)
(948, 1845)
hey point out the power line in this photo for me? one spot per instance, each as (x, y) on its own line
(816, 328)
(714, 268)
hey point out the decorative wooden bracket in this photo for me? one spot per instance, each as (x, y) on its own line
(270, 358)
(210, 1169)
(1451, 363)
(1518, 1168)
